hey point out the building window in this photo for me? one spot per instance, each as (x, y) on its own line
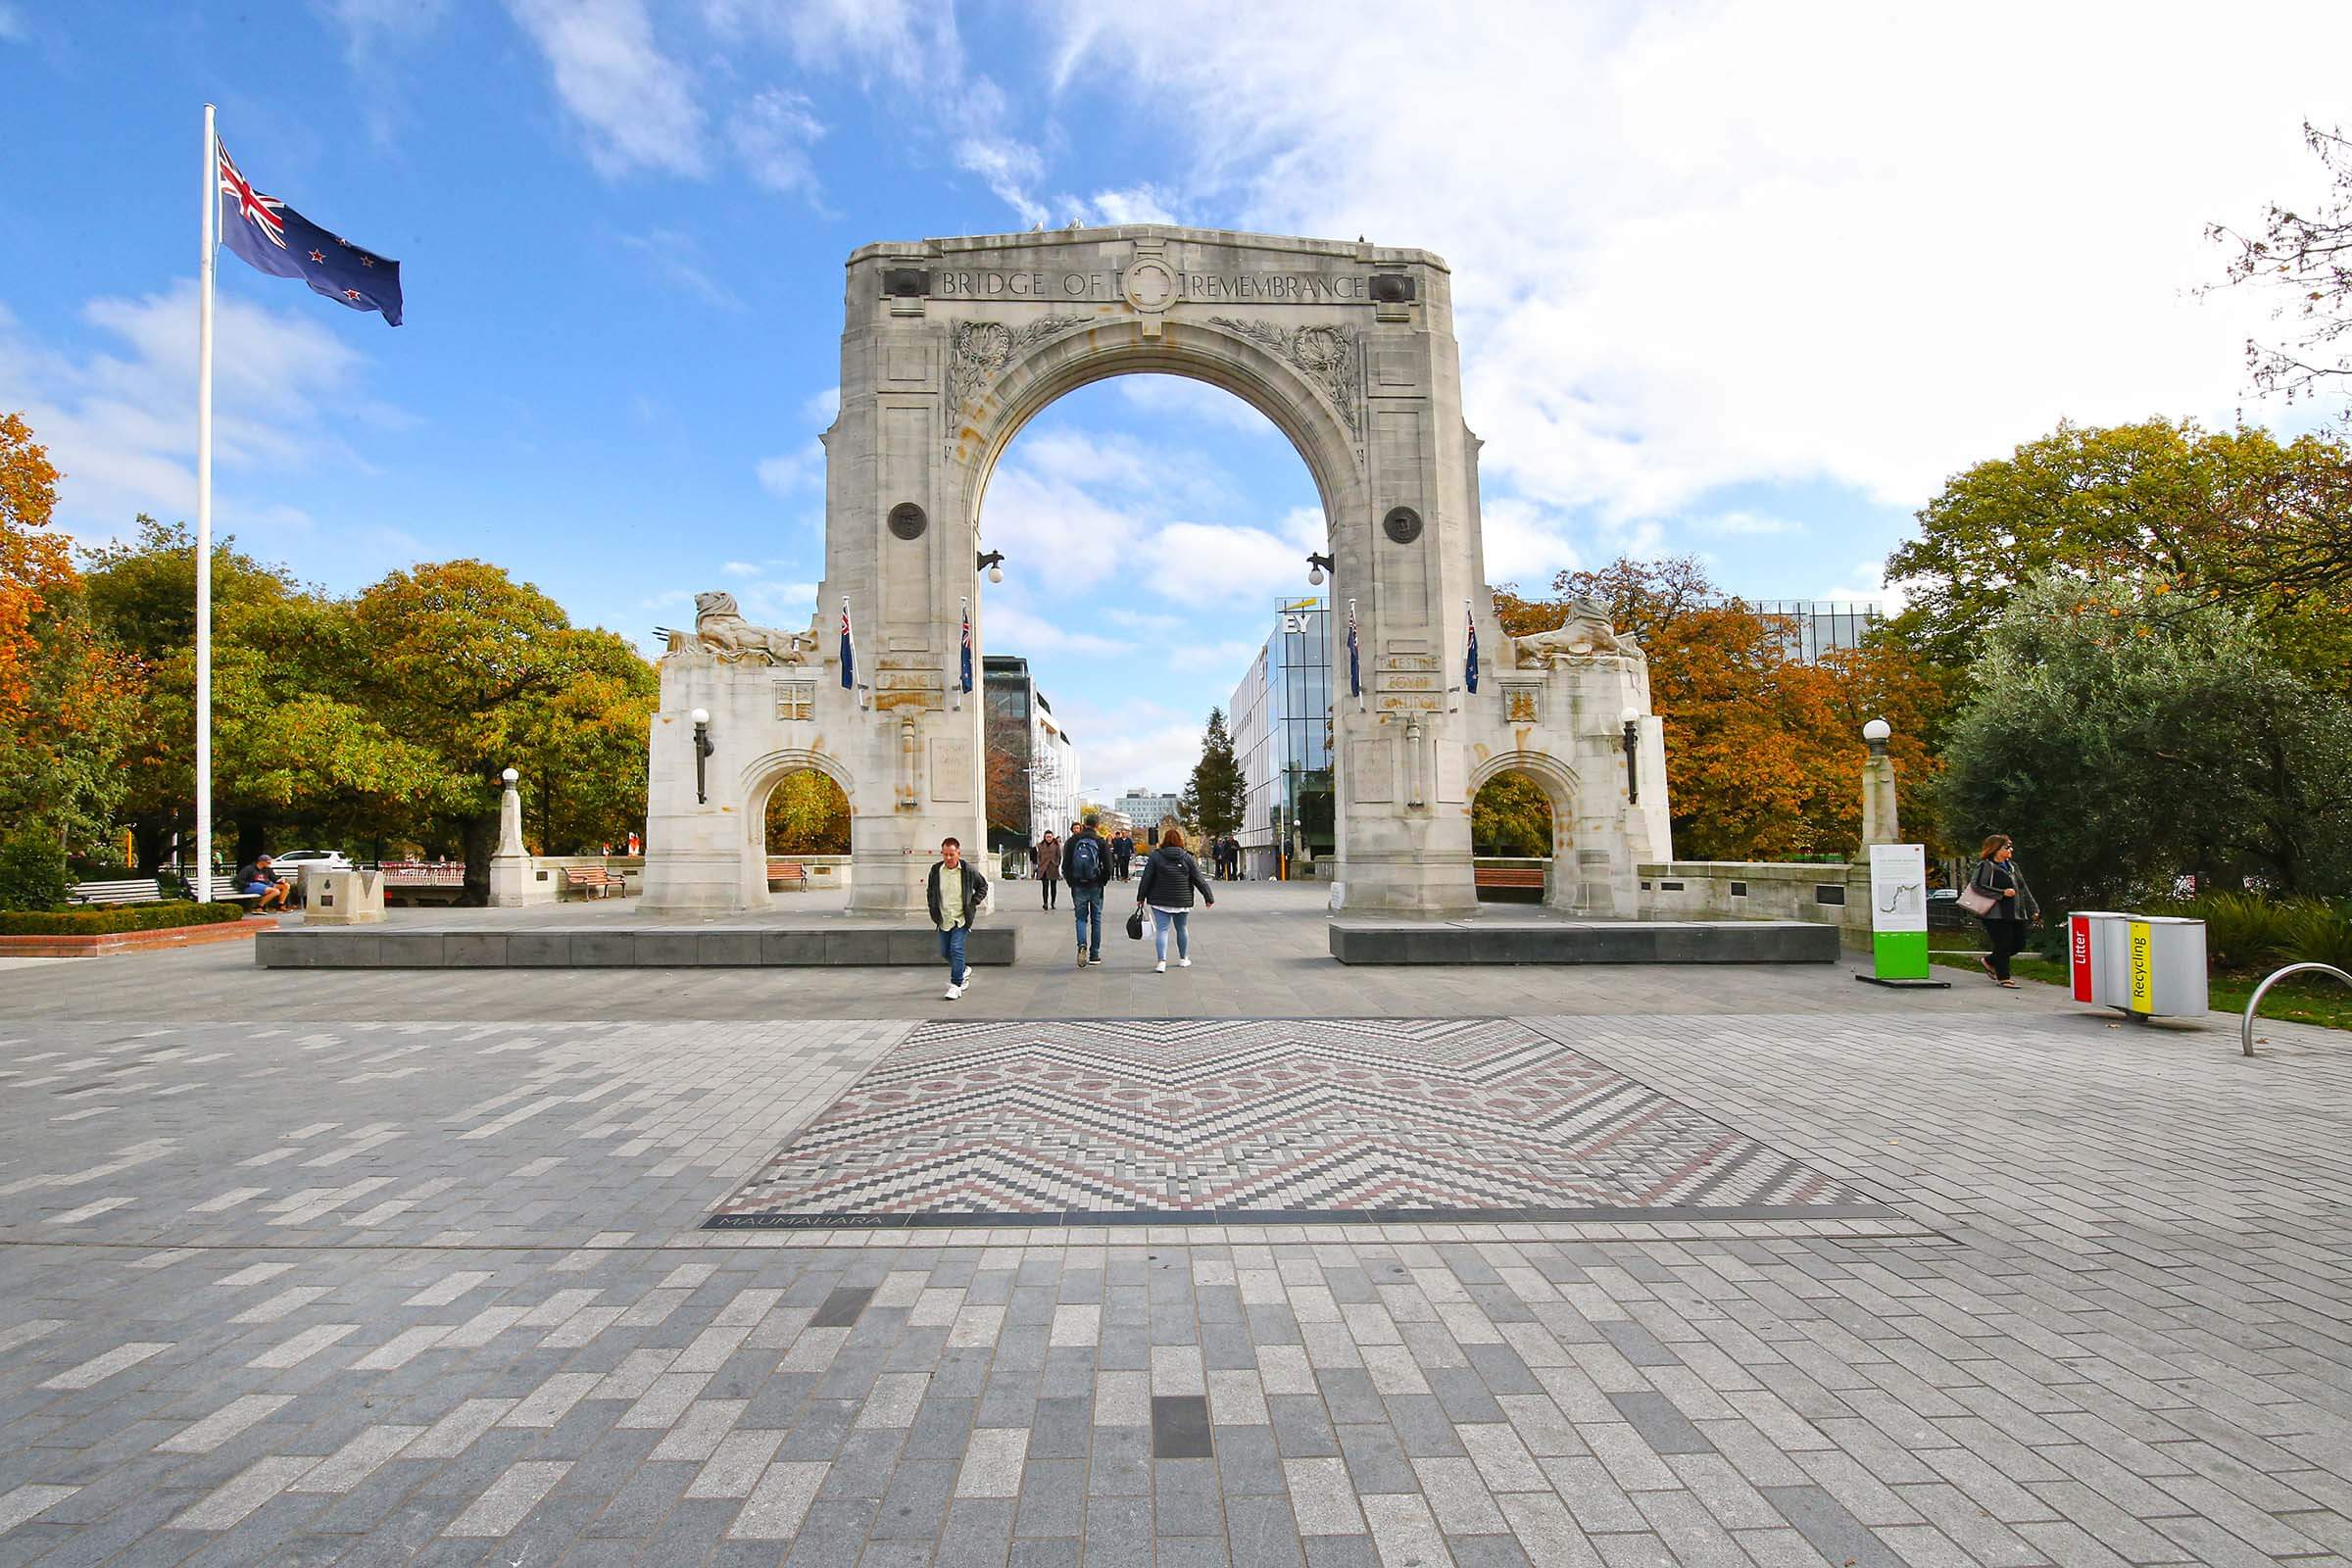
(796, 700)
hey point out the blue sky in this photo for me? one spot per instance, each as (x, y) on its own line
(1723, 285)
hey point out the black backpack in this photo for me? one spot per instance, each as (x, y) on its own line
(1085, 858)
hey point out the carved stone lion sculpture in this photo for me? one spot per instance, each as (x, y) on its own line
(1587, 632)
(720, 627)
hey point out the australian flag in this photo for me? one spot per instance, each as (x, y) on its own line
(280, 241)
(1470, 658)
(849, 649)
(1356, 680)
(967, 645)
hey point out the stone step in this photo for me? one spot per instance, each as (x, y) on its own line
(1490, 940)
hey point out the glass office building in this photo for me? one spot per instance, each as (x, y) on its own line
(1280, 718)
(1811, 627)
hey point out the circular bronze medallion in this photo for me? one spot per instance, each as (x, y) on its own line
(907, 521)
(1402, 524)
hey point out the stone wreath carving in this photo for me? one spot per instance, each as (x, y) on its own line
(982, 349)
(1325, 355)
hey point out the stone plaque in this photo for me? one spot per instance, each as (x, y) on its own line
(1452, 775)
(907, 520)
(796, 701)
(1402, 524)
(951, 768)
(1519, 703)
(1371, 769)
(908, 362)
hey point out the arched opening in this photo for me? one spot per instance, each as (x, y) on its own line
(1156, 530)
(1512, 836)
(799, 826)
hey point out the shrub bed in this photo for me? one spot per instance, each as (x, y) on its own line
(104, 923)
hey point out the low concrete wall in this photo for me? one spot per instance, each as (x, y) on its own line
(1831, 893)
(1494, 940)
(704, 947)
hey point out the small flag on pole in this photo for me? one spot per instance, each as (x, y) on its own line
(1470, 658)
(849, 649)
(274, 238)
(967, 645)
(1356, 679)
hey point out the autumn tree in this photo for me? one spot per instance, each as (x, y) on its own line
(1763, 750)
(1511, 815)
(67, 702)
(808, 814)
(2228, 516)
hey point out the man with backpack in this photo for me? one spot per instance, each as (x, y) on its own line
(1086, 867)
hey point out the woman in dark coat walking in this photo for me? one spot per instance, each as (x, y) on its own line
(1170, 874)
(1048, 865)
(2013, 907)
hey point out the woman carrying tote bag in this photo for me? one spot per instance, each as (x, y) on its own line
(1170, 877)
(1997, 895)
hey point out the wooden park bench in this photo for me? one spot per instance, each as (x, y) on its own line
(1508, 876)
(130, 890)
(594, 881)
(792, 871)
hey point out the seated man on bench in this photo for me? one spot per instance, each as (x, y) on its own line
(257, 878)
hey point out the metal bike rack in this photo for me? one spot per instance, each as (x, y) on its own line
(2246, 1030)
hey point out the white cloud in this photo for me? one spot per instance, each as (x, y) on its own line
(1010, 628)
(822, 407)
(771, 135)
(1526, 544)
(1746, 524)
(1862, 586)
(121, 422)
(1731, 243)
(1137, 204)
(1141, 743)
(674, 255)
(740, 568)
(12, 30)
(1008, 168)
(637, 105)
(788, 475)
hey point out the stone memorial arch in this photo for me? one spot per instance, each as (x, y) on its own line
(949, 348)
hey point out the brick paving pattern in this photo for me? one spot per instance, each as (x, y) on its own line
(1265, 1120)
(2119, 1329)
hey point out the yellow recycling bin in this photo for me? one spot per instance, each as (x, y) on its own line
(2144, 966)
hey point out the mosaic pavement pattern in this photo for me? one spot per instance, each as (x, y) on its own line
(1262, 1120)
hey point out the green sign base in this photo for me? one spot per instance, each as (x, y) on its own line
(1899, 959)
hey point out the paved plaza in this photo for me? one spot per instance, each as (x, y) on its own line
(1740, 1266)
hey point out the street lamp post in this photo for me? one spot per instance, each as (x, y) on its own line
(702, 748)
(1633, 767)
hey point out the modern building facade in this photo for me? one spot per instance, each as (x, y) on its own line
(1280, 718)
(1032, 771)
(1145, 809)
(1811, 627)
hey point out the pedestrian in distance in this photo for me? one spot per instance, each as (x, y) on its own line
(955, 891)
(1048, 866)
(1086, 867)
(1122, 850)
(2012, 910)
(1170, 874)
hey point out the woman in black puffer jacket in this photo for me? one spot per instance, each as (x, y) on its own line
(1170, 874)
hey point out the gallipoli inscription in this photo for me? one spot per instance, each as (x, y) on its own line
(1223, 289)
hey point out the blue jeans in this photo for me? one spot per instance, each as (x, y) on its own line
(1161, 919)
(951, 948)
(1087, 903)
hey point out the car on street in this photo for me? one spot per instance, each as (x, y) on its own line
(290, 862)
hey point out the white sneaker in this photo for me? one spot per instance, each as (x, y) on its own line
(954, 991)
(1184, 963)
(1162, 968)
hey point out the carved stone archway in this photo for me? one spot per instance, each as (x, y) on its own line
(951, 347)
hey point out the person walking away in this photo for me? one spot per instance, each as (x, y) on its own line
(1048, 866)
(2013, 908)
(955, 891)
(1086, 867)
(1169, 876)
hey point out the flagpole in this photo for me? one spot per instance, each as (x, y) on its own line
(204, 512)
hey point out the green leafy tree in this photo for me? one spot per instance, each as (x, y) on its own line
(2123, 742)
(808, 814)
(479, 672)
(1213, 794)
(2192, 515)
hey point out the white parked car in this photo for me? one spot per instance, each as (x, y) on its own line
(290, 863)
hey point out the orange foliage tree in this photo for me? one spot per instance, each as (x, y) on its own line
(66, 700)
(1763, 748)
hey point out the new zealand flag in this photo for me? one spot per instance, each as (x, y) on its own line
(278, 240)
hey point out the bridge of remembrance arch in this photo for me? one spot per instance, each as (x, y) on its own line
(951, 346)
